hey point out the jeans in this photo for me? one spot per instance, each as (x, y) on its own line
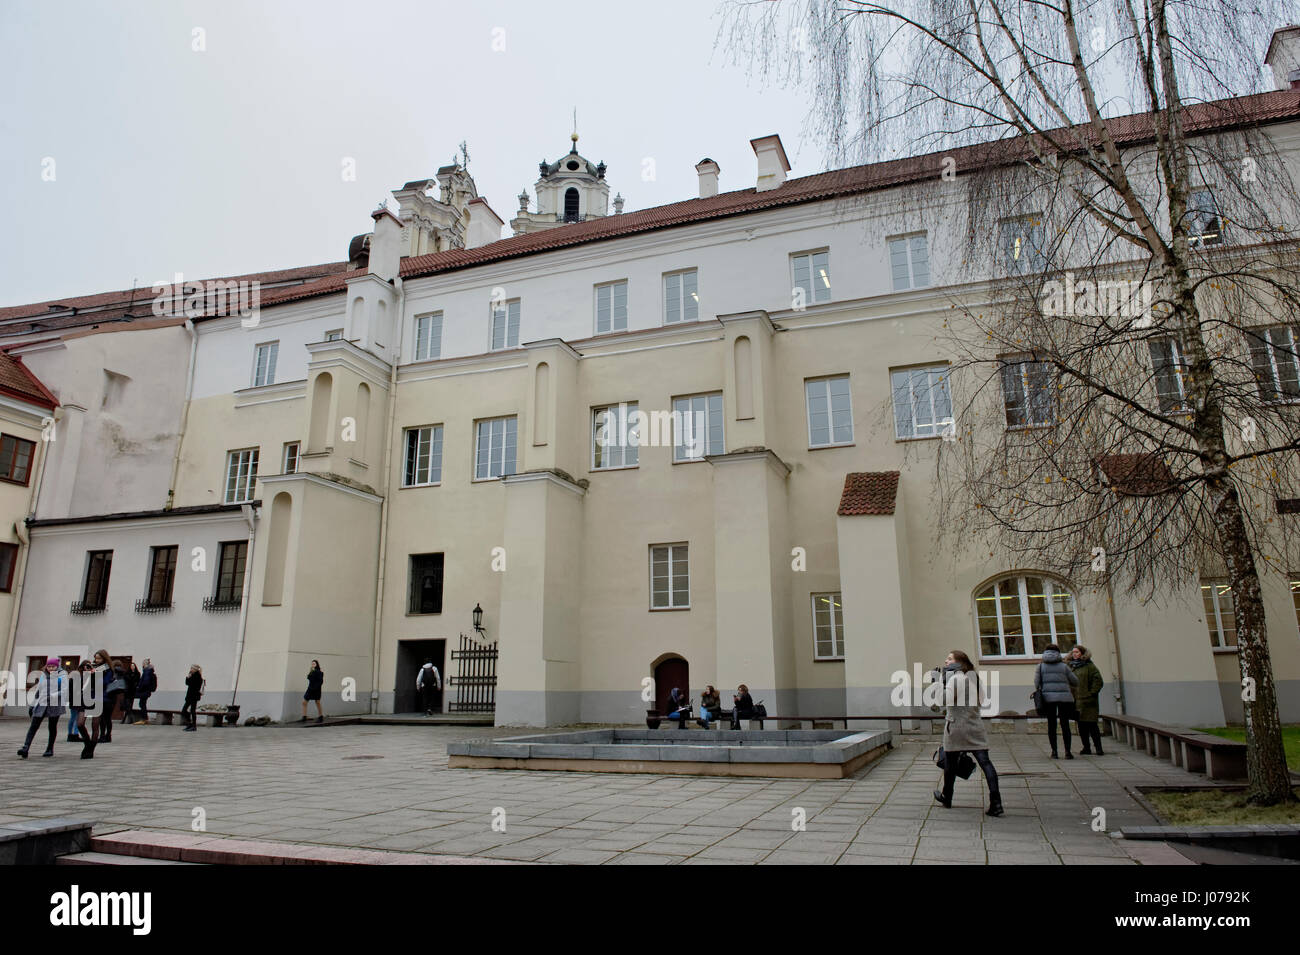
(681, 716)
(706, 714)
(1063, 712)
(981, 756)
(31, 732)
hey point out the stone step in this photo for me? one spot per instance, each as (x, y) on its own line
(114, 858)
(215, 850)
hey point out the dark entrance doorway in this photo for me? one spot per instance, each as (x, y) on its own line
(672, 672)
(411, 655)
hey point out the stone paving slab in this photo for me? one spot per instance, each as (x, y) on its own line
(283, 784)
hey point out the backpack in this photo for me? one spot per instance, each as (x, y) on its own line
(427, 680)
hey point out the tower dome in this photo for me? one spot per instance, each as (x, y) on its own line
(570, 189)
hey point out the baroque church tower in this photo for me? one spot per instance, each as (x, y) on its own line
(571, 189)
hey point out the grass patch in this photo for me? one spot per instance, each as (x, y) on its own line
(1290, 740)
(1217, 808)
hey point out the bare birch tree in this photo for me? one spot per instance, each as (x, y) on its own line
(1125, 389)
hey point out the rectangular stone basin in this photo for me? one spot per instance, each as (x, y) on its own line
(809, 754)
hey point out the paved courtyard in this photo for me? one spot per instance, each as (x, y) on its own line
(324, 785)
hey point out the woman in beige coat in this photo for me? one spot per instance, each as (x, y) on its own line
(963, 729)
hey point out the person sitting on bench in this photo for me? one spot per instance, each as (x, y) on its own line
(744, 706)
(679, 708)
(710, 706)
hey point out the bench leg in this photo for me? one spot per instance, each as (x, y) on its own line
(1193, 758)
(1162, 747)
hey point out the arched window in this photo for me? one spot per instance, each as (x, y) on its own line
(1009, 609)
(571, 204)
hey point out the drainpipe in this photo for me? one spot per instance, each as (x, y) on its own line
(185, 414)
(386, 493)
(250, 515)
(1114, 636)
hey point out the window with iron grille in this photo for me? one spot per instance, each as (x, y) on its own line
(16, 459)
(162, 576)
(230, 573)
(99, 564)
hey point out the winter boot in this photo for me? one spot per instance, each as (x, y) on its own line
(995, 805)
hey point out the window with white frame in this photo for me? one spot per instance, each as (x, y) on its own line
(922, 402)
(290, 460)
(494, 448)
(811, 271)
(1027, 392)
(423, 462)
(505, 325)
(670, 577)
(1204, 227)
(697, 423)
(428, 335)
(830, 411)
(264, 364)
(614, 437)
(1220, 613)
(1273, 354)
(1021, 245)
(828, 627)
(334, 335)
(1020, 616)
(1295, 594)
(909, 261)
(1170, 374)
(681, 297)
(241, 475)
(611, 307)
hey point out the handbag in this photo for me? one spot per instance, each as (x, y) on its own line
(1039, 703)
(965, 763)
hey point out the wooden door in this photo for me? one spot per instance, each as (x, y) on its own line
(673, 672)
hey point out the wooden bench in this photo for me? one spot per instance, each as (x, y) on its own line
(227, 716)
(1196, 752)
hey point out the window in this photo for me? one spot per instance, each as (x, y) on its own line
(241, 475)
(614, 436)
(162, 576)
(611, 308)
(291, 450)
(1203, 224)
(828, 627)
(670, 579)
(922, 402)
(505, 325)
(494, 449)
(1021, 245)
(811, 272)
(1170, 374)
(1220, 612)
(423, 463)
(94, 595)
(1027, 391)
(8, 561)
(681, 297)
(830, 411)
(16, 459)
(264, 366)
(1273, 356)
(230, 573)
(428, 335)
(426, 584)
(571, 205)
(909, 261)
(1014, 607)
(698, 423)
(1295, 594)
(335, 335)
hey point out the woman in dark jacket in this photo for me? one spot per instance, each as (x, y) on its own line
(315, 677)
(963, 730)
(91, 692)
(128, 700)
(1087, 698)
(193, 693)
(743, 708)
(144, 689)
(48, 703)
(710, 706)
(96, 700)
(1055, 682)
(114, 692)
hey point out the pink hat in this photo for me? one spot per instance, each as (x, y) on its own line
(52, 661)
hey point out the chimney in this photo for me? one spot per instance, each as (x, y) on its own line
(484, 224)
(708, 171)
(1284, 57)
(772, 164)
(386, 245)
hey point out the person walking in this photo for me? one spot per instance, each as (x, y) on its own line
(710, 706)
(132, 685)
(51, 694)
(96, 700)
(114, 693)
(1087, 699)
(144, 689)
(315, 677)
(92, 698)
(73, 674)
(963, 730)
(193, 693)
(1054, 684)
(742, 706)
(428, 682)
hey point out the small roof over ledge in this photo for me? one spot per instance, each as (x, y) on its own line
(869, 492)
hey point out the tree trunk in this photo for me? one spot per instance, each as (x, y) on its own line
(1268, 780)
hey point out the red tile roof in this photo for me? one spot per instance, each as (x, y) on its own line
(841, 183)
(869, 492)
(1137, 475)
(17, 380)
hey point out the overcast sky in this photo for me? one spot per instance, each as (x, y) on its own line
(227, 160)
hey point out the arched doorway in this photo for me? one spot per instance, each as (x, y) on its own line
(670, 671)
